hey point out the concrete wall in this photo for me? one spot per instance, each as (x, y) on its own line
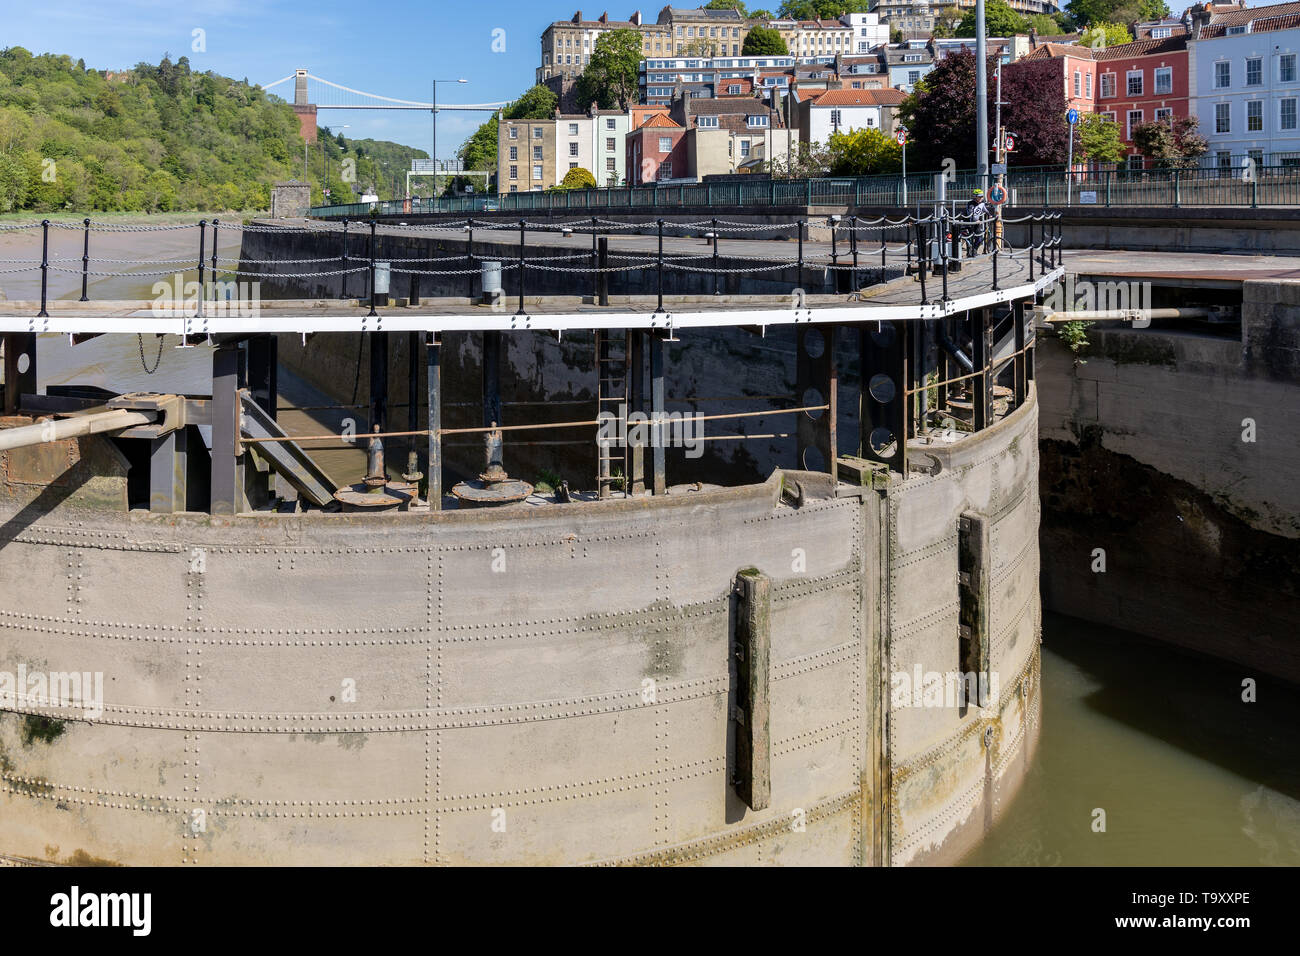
(577, 697)
(1145, 457)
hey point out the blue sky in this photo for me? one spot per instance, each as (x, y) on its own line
(392, 48)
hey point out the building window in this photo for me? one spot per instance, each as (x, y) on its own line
(1223, 159)
(1286, 68)
(1164, 113)
(665, 170)
(1159, 33)
(1107, 85)
(1164, 81)
(514, 132)
(573, 149)
(537, 152)
(537, 132)
(835, 119)
(913, 76)
(609, 164)
(756, 121)
(1254, 116)
(1222, 118)
(1286, 113)
(573, 165)
(514, 153)
(1256, 156)
(1078, 83)
(1087, 85)
(1254, 71)
(573, 129)
(734, 89)
(514, 188)
(1134, 119)
(514, 172)
(609, 144)
(1134, 86)
(744, 148)
(537, 173)
(1222, 74)
(709, 122)
(665, 144)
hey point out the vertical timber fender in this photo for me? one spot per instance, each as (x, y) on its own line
(753, 693)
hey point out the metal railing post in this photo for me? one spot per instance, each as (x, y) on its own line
(343, 264)
(715, 257)
(660, 267)
(372, 268)
(85, 261)
(922, 262)
(216, 225)
(469, 255)
(203, 234)
(835, 258)
(523, 226)
(800, 277)
(45, 264)
(1031, 249)
(595, 264)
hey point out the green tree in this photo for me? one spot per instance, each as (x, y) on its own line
(480, 150)
(536, 103)
(727, 5)
(999, 21)
(861, 152)
(1102, 35)
(1176, 143)
(610, 79)
(1099, 139)
(1044, 25)
(763, 41)
(947, 19)
(821, 9)
(578, 178)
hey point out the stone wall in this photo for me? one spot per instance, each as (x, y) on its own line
(1176, 455)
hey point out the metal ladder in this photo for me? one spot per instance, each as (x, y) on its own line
(611, 397)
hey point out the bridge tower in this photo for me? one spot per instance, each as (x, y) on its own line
(306, 111)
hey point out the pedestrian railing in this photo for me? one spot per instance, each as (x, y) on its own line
(1244, 185)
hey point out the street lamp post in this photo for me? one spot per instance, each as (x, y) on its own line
(434, 111)
(981, 98)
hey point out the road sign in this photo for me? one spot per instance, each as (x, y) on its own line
(327, 192)
(1072, 117)
(998, 169)
(1009, 142)
(901, 135)
(997, 194)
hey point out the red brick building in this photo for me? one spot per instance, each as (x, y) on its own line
(1129, 84)
(655, 151)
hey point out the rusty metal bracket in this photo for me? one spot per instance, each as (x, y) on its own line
(170, 408)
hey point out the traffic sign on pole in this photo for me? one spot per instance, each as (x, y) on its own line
(1072, 117)
(1009, 142)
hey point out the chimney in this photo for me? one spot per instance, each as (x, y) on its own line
(577, 17)
(635, 18)
(604, 18)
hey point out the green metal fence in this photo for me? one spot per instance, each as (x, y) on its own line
(1037, 187)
